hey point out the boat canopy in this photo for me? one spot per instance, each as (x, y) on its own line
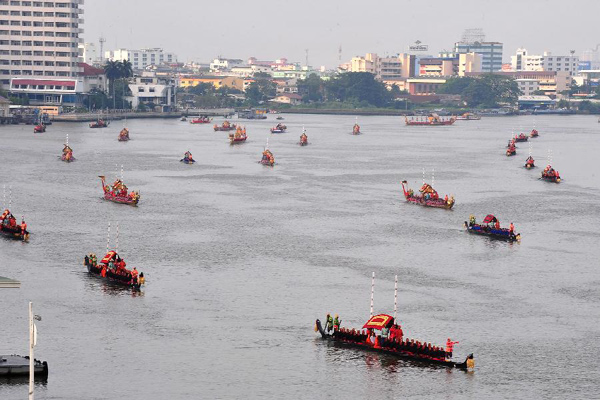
(490, 219)
(108, 257)
(379, 321)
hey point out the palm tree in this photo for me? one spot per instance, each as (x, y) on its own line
(113, 72)
(125, 71)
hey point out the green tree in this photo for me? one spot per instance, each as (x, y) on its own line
(259, 91)
(359, 88)
(312, 88)
(455, 85)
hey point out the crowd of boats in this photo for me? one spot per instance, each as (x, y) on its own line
(113, 268)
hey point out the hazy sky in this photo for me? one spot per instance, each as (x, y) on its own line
(200, 30)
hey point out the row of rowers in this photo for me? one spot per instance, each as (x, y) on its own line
(391, 338)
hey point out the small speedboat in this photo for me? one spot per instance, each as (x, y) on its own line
(279, 128)
(41, 128)
(549, 174)
(534, 133)
(99, 124)
(530, 163)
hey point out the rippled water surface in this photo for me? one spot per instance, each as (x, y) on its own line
(241, 259)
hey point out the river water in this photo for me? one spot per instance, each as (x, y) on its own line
(241, 259)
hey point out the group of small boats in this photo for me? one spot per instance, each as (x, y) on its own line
(548, 174)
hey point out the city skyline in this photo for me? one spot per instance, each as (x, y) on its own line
(322, 28)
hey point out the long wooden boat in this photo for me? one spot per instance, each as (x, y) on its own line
(511, 151)
(403, 349)
(267, 158)
(549, 174)
(67, 155)
(121, 276)
(303, 140)
(41, 128)
(530, 163)
(225, 127)
(118, 193)
(468, 117)
(15, 366)
(237, 138)
(10, 229)
(487, 228)
(200, 120)
(99, 124)
(124, 135)
(432, 120)
(428, 198)
(521, 138)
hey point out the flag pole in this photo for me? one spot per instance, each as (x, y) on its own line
(31, 344)
(395, 297)
(108, 239)
(117, 244)
(372, 292)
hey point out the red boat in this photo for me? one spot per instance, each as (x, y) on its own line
(530, 163)
(10, 228)
(267, 158)
(99, 124)
(550, 174)
(521, 138)
(431, 120)
(40, 128)
(239, 136)
(225, 127)
(534, 133)
(201, 120)
(303, 139)
(279, 128)
(113, 268)
(67, 155)
(124, 135)
(394, 343)
(511, 151)
(428, 198)
(117, 193)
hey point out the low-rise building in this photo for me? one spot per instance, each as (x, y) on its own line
(225, 64)
(552, 83)
(150, 89)
(450, 65)
(423, 86)
(528, 86)
(288, 98)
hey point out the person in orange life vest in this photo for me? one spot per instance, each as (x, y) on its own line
(13, 221)
(511, 228)
(446, 198)
(497, 224)
(23, 227)
(449, 348)
(134, 274)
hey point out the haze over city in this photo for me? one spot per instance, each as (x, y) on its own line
(267, 29)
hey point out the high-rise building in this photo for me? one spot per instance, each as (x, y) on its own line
(473, 41)
(39, 46)
(523, 61)
(140, 59)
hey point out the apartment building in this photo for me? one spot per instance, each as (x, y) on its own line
(39, 45)
(140, 59)
(490, 52)
(522, 61)
(384, 68)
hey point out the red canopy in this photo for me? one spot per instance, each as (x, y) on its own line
(489, 219)
(379, 321)
(109, 256)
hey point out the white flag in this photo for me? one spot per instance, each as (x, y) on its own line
(34, 335)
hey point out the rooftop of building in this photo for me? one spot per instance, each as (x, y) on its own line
(4, 100)
(89, 70)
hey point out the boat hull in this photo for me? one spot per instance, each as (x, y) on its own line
(14, 233)
(439, 203)
(16, 366)
(121, 199)
(113, 277)
(551, 179)
(498, 234)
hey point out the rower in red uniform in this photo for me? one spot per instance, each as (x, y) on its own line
(449, 348)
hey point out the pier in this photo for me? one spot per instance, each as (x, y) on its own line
(6, 283)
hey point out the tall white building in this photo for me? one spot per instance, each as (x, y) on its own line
(523, 61)
(89, 53)
(39, 46)
(140, 59)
